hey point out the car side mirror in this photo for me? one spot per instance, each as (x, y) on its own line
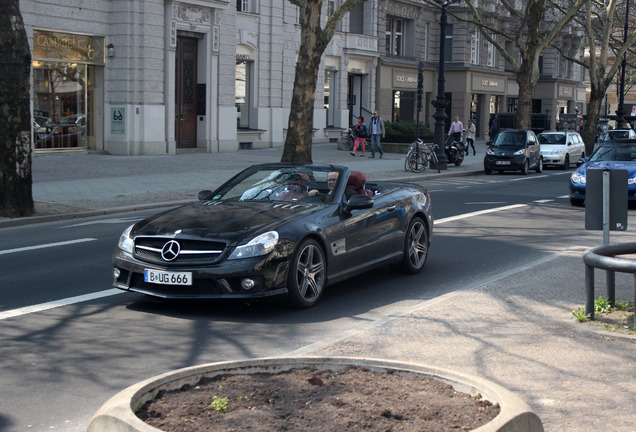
(204, 195)
(580, 162)
(358, 202)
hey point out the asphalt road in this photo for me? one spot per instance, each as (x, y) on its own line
(69, 342)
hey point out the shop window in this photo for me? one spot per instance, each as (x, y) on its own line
(243, 87)
(474, 47)
(59, 104)
(512, 104)
(329, 90)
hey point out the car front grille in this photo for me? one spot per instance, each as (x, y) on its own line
(149, 249)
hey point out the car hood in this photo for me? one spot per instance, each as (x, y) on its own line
(630, 167)
(551, 147)
(505, 151)
(221, 220)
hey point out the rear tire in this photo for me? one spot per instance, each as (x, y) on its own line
(539, 167)
(487, 171)
(307, 275)
(415, 247)
(525, 168)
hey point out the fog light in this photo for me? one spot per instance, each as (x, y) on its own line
(116, 273)
(247, 284)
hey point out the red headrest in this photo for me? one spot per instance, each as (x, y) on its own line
(356, 181)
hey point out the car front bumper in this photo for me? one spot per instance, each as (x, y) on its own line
(222, 280)
(514, 163)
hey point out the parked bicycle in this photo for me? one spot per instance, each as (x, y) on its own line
(421, 156)
(346, 140)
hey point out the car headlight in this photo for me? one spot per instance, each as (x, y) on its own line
(631, 180)
(125, 241)
(558, 152)
(490, 152)
(577, 177)
(519, 152)
(260, 245)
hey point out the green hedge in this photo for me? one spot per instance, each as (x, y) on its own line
(404, 132)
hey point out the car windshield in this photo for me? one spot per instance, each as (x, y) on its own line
(510, 139)
(614, 153)
(307, 184)
(551, 138)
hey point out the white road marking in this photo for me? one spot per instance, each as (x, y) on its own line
(543, 200)
(47, 245)
(104, 221)
(57, 303)
(478, 213)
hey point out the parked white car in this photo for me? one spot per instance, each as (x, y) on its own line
(561, 148)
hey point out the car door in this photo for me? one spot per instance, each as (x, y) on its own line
(371, 234)
(534, 151)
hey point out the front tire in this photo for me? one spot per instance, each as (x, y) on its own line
(415, 247)
(577, 202)
(566, 162)
(460, 158)
(307, 275)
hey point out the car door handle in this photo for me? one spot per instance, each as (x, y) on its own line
(391, 208)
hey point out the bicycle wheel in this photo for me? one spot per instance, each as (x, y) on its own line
(416, 162)
(345, 143)
(435, 161)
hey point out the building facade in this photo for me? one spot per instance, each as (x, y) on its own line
(154, 77)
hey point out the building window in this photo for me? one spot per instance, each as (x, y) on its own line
(449, 43)
(492, 53)
(331, 7)
(394, 36)
(557, 64)
(243, 89)
(246, 6)
(474, 47)
(424, 45)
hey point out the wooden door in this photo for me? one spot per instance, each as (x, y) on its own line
(186, 93)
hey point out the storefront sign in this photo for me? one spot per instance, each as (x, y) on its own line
(118, 120)
(405, 79)
(486, 84)
(58, 46)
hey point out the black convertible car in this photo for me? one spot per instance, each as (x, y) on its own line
(277, 229)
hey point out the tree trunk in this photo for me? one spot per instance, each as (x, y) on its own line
(16, 197)
(526, 86)
(593, 110)
(301, 117)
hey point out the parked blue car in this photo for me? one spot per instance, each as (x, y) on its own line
(614, 155)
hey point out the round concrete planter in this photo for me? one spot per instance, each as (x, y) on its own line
(118, 413)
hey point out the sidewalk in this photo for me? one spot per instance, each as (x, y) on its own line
(71, 184)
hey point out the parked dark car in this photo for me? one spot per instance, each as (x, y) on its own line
(611, 155)
(277, 230)
(514, 150)
(614, 135)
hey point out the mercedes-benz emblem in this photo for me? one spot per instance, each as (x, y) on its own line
(170, 250)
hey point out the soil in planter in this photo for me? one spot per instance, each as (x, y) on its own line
(354, 399)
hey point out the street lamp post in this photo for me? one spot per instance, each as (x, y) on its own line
(620, 112)
(440, 102)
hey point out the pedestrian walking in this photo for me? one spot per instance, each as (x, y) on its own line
(493, 127)
(377, 130)
(456, 129)
(471, 131)
(361, 133)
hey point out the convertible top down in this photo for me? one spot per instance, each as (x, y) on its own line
(277, 230)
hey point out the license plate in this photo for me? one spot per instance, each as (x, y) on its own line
(502, 163)
(167, 278)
